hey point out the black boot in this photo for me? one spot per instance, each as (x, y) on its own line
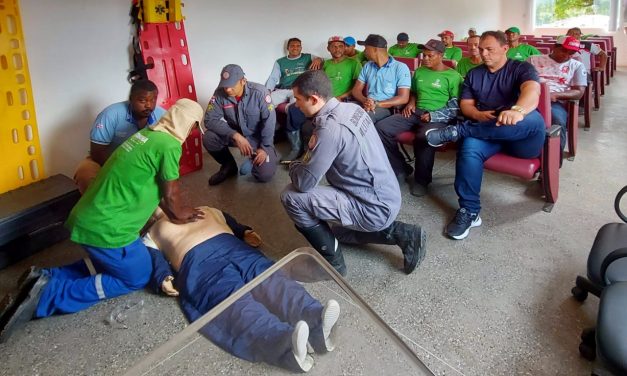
(323, 240)
(228, 167)
(410, 238)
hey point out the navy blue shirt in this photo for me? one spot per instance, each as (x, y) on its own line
(499, 90)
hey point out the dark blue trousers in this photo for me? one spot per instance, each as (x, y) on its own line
(259, 326)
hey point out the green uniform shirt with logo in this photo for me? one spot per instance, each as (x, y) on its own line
(465, 65)
(522, 52)
(453, 53)
(435, 88)
(126, 191)
(291, 69)
(410, 50)
(342, 75)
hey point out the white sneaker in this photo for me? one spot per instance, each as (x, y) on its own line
(330, 315)
(299, 346)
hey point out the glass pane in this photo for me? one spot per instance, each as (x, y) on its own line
(257, 323)
(571, 13)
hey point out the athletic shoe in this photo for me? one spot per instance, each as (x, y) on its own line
(330, 315)
(439, 136)
(299, 346)
(24, 307)
(460, 226)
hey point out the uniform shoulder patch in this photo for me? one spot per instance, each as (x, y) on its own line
(268, 98)
(313, 141)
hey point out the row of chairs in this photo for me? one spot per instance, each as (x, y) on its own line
(526, 169)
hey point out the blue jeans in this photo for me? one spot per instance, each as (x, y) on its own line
(559, 116)
(295, 119)
(480, 141)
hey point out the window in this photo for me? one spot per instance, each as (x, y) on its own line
(581, 13)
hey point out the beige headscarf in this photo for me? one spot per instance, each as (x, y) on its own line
(180, 119)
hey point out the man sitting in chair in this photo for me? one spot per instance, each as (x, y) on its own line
(272, 323)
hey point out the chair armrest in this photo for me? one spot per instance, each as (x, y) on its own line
(610, 258)
(554, 131)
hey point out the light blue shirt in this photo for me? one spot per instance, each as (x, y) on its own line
(116, 123)
(384, 82)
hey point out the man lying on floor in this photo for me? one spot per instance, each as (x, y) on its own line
(271, 324)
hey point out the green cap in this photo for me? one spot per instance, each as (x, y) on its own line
(513, 29)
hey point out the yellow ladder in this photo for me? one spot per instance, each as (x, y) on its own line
(20, 152)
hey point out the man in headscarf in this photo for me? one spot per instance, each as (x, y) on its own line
(140, 175)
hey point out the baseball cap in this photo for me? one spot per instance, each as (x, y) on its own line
(447, 33)
(433, 45)
(402, 37)
(374, 40)
(569, 43)
(513, 29)
(472, 29)
(230, 75)
(336, 38)
(350, 41)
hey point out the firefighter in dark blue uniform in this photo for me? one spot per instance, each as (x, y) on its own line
(240, 114)
(363, 198)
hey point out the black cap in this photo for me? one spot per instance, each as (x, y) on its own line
(230, 75)
(374, 40)
(433, 45)
(402, 37)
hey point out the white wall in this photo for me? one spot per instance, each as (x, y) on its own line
(78, 49)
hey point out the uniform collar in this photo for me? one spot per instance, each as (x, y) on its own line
(327, 109)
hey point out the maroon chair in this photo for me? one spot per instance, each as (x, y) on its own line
(548, 162)
(573, 128)
(449, 63)
(412, 62)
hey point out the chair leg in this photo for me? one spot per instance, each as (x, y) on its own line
(573, 128)
(586, 285)
(597, 89)
(408, 158)
(587, 103)
(602, 82)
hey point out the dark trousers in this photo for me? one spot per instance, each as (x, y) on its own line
(390, 127)
(259, 325)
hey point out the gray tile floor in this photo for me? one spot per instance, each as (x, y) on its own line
(496, 303)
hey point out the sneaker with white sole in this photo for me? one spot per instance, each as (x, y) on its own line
(460, 226)
(437, 137)
(330, 315)
(299, 346)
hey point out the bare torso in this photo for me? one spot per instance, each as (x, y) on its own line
(176, 240)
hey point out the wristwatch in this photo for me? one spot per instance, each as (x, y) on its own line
(519, 109)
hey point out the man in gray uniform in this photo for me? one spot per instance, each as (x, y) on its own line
(363, 199)
(240, 114)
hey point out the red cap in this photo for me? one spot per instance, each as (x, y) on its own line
(447, 33)
(569, 43)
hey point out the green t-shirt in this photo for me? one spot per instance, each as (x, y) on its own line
(465, 65)
(435, 88)
(291, 69)
(342, 75)
(126, 191)
(410, 50)
(522, 52)
(359, 57)
(453, 53)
